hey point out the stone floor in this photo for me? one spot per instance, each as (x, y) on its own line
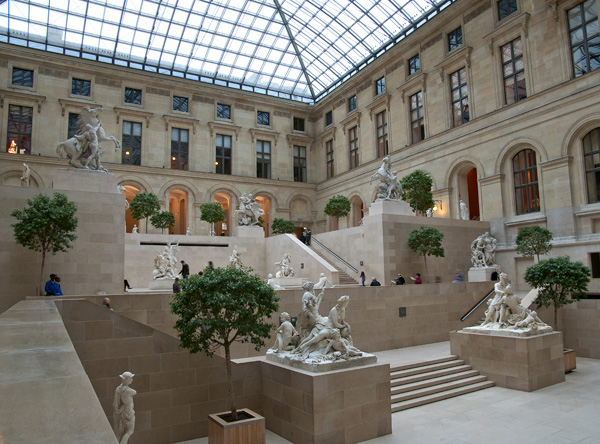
(561, 414)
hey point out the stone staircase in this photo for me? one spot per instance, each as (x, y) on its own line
(345, 279)
(422, 383)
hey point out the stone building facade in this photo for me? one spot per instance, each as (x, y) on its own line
(500, 106)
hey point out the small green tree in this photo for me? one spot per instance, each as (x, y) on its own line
(534, 240)
(426, 241)
(212, 212)
(162, 220)
(416, 190)
(223, 306)
(282, 226)
(559, 282)
(143, 206)
(46, 225)
(338, 206)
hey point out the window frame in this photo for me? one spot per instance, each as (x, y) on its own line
(593, 142)
(508, 3)
(300, 171)
(353, 147)
(352, 103)
(451, 47)
(89, 84)
(262, 116)
(130, 89)
(329, 151)
(263, 159)
(19, 124)
(296, 124)
(420, 111)
(134, 158)
(226, 166)
(461, 99)
(413, 68)
(178, 151)
(223, 105)
(514, 74)
(526, 191)
(187, 104)
(586, 39)
(381, 134)
(328, 118)
(380, 86)
(23, 85)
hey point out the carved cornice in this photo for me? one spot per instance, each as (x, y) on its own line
(378, 101)
(120, 111)
(508, 26)
(226, 127)
(298, 139)
(22, 95)
(182, 120)
(457, 57)
(352, 120)
(265, 133)
(74, 103)
(416, 81)
(328, 133)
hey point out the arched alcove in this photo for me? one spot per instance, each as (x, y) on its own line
(178, 200)
(266, 207)
(357, 212)
(224, 228)
(130, 192)
(468, 190)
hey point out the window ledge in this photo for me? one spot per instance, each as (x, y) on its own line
(524, 219)
(588, 210)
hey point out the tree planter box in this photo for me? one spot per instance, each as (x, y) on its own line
(248, 429)
(570, 363)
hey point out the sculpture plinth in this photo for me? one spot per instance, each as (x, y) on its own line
(249, 231)
(390, 207)
(92, 181)
(317, 365)
(161, 284)
(480, 274)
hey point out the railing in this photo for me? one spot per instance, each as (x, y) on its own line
(335, 255)
(476, 306)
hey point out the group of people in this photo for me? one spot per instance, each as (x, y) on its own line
(399, 280)
(306, 234)
(52, 287)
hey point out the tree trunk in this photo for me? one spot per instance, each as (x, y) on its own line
(555, 318)
(230, 383)
(41, 293)
(426, 272)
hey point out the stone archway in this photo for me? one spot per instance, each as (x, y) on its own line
(224, 228)
(178, 200)
(357, 211)
(468, 190)
(130, 193)
(266, 207)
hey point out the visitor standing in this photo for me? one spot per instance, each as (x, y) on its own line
(303, 237)
(185, 270)
(308, 235)
(49, 288)
(57, 288)
(399, 280)
(459, 276)
(363, 278)
(375, 282)
(176, 286)
(417, 278)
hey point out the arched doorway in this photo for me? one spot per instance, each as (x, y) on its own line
(299, 215)
(266, 207)
(468, 190)
(357, 211)
(223, 228)
(178, 206)
(130, 192)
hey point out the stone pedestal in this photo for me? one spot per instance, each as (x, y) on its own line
(344, 406)
(518, 363)
(79, 179)
(161, 284)
(390, 207)
(480, 274)
(289, 282)
(249, 231)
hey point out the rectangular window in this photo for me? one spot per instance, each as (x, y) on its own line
(513, 72)
(20, 119)
(353, 141)
(223, 111)
(179, 148)
(595, 265)
(584, 37)
(131, 151)
(298, 124)
(382, 134)
(299, 163)
(328, 118)
(180, 104)
(223, 162)
(591, 162)
(133, 95)
(414, 64)
(527, 195)
(22, 77)
(379, 86)
(329, 151)
(460, 99)
(506, 8)
(417, 122)
(263, 118)
(352, 103)
(263, 159)
(81, 87)
(455, 39)
(73, 128)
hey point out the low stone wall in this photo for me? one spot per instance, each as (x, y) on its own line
(580, 323)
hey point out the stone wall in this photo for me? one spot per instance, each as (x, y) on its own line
(580, 323)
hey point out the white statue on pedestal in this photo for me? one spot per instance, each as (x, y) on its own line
(287, 336)
(84, 146)
(483, 251)
(124, 415)
(26, 175)
(135, 229)
(188, 232)
(285, 268)
(323, 283)
(464, 211)
(165, 263)
(389, 187)
(234, 259)
(271, 282)
(249, 210)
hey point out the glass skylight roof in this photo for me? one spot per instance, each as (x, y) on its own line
(296, 49)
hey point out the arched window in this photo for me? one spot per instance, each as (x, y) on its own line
(591, 160)
(527, 197)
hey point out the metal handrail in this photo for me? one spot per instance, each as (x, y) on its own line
(333, 254)
(476, 306)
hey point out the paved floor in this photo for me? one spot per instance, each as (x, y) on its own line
(561, 414)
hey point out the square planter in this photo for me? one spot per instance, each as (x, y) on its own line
(570, 363)
(248, 429)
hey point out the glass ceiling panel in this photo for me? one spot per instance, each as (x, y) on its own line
(296, 49)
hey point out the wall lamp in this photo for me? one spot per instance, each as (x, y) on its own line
(437, 205)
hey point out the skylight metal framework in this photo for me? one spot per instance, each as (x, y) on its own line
(295, 49)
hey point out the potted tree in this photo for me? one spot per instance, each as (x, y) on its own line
(223, 306)
(212, 212)
(559, 282)
(416, 190)
(338, 206)
(143, 206)
(46, 225)
(282, 226)
(162, 220)
(426, 241)
(534, 240)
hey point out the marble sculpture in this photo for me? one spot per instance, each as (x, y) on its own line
(271, 282)
(389, 187)
(483, 251)
(84, 147)
(124, 415)
(165, 263)
(323, 283)
(285, 268)
(464, 211)
(26, 175)
(249, 210)
(234, 260)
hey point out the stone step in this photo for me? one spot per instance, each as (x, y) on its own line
(395, 374)
(432, 380)
(430, 375)
(441, 386)
(428, 399)
(423, 363)
(344, 278)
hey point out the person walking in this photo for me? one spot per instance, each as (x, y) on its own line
(185, 270)
(363, 278)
